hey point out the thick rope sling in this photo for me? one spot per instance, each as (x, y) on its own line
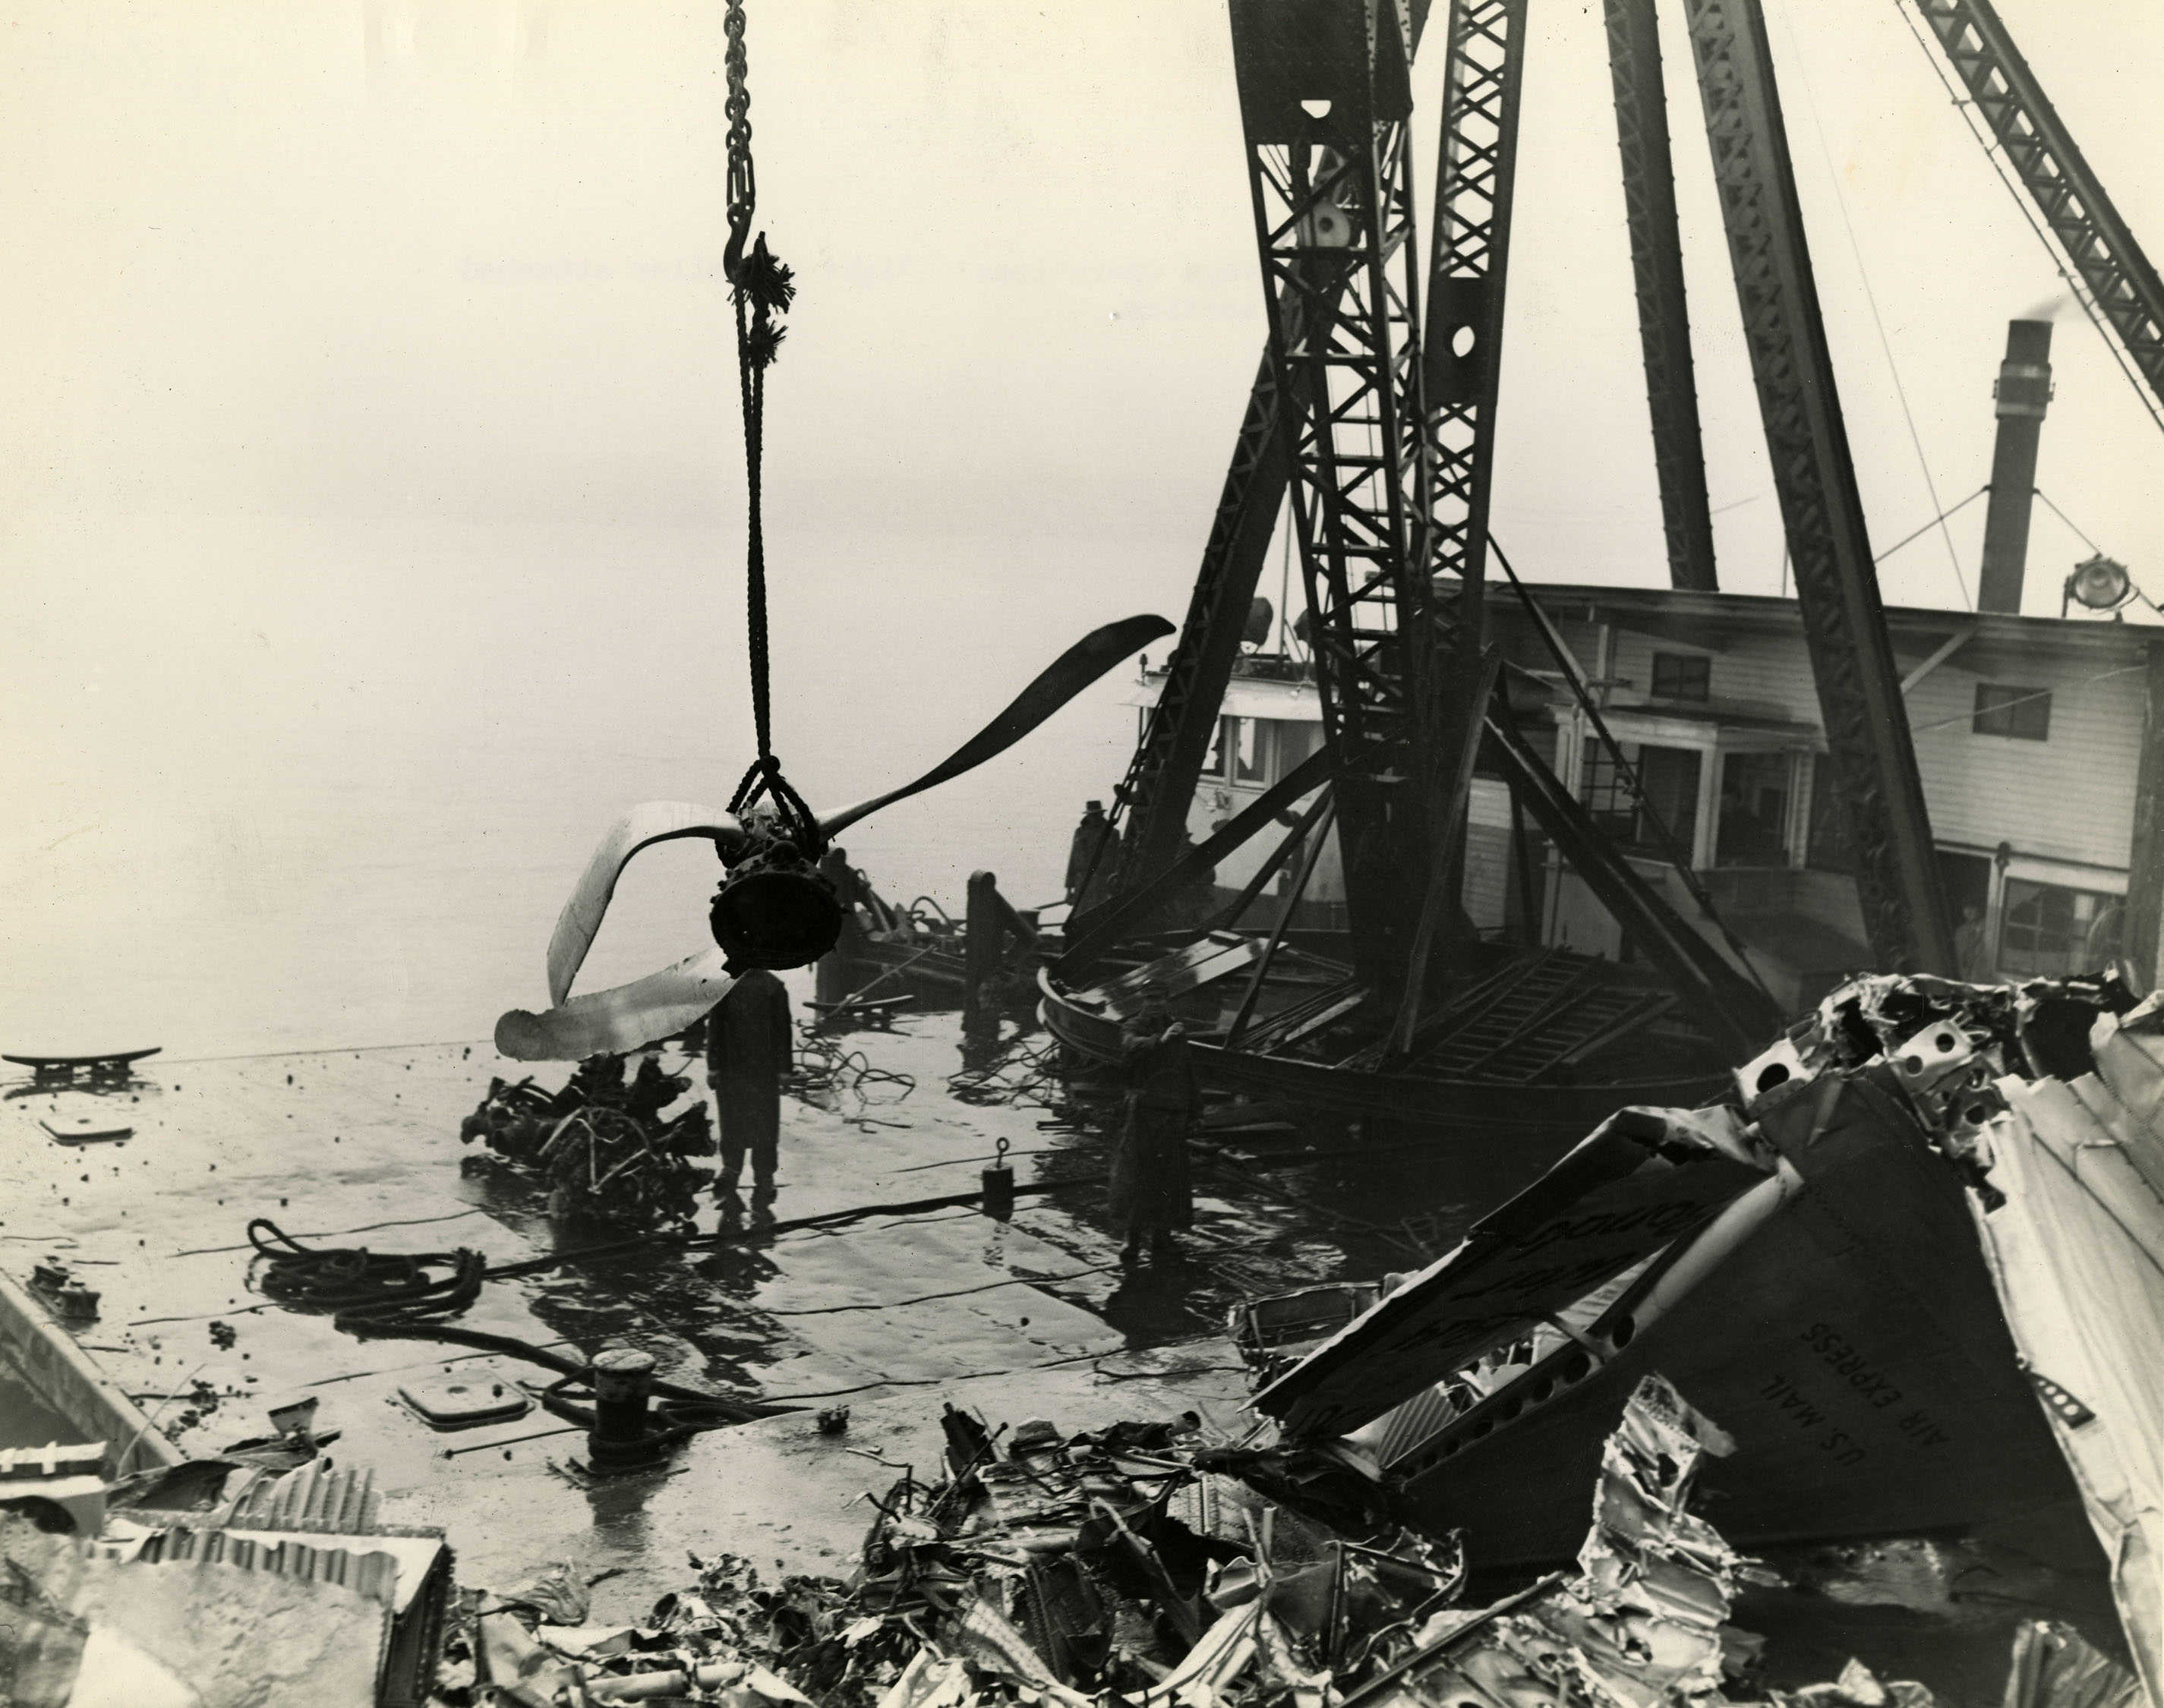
(762, 288)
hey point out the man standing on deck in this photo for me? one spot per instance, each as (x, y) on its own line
(749, 1049)
(1089, 858)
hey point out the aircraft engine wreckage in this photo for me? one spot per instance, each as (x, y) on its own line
(1912, 1265)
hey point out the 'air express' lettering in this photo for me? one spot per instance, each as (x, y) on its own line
(1843, 1360)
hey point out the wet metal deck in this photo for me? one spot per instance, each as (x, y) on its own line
(890, 1315)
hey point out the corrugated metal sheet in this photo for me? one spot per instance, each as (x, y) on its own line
(2076, 1253)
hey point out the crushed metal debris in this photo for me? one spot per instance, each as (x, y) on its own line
(1113, 1567)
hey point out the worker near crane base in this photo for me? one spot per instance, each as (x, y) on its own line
(1089, 859)
(837, 973)
(1152, 1191)
(749, 1047)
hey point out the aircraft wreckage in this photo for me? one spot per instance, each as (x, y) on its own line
(1911, 1263)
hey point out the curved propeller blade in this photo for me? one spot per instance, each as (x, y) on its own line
(650, 822)
(1065, 677)
(615, 1022)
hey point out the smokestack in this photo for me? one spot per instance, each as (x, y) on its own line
(2023, 392)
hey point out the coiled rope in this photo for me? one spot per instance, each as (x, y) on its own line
(360, 1285)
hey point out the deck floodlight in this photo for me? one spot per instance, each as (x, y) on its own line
(2098, 582)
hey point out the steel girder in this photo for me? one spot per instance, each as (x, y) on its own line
(2143, 938)
(1461, 341)
(1867, 725)
(1326, 102)
(2096, 240)
(1461, 369)
(1657, 267)
(1167, 764)
(1167, 761)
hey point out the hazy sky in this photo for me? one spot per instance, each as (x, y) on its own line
(370, 476)
(457, 258)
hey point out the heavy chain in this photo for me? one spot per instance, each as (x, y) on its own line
(762, 288)
(743, 182)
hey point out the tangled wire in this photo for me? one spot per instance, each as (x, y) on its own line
(602, 1144)
(1020, 1073)
(826, 1070)
(401, 1295)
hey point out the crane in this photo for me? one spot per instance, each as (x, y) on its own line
(1389, 418)
(1168, 760)
(1326, 102)
(1657, 267)
(2110, 276)
(1379, 421)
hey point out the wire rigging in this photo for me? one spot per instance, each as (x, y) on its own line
(1870, 296)
(1938, 521)
(2067, 520)
(1969, 717)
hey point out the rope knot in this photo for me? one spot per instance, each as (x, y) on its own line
(794, 818)
(765, 280)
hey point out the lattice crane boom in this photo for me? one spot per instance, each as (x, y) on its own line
(1462, 339)
(1325, 105)
(1656, 269)
(1167, 765)
(1168, 760)
(2121, 287)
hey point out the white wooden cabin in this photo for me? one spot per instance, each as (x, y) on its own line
(2029, 735)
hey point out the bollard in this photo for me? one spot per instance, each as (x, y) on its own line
(623, 1379)
(1000, 1187)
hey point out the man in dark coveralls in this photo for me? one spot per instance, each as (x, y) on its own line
(749, 1049)
(1091, 857)
(1152, 1192)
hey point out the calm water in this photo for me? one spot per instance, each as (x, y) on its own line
(274, 784)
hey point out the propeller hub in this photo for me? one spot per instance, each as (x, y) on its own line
(774, 910)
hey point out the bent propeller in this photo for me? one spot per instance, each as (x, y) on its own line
(666, 1001)
(1059, 682)
(612, 1022)
(650, 822)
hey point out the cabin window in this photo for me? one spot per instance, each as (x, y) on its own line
(2004, 710)
(1669, 777)
(2048, 930)
(1754, 827)
(1682, 676)
(1222, 742)
(1297, 743)
(1258, 751)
